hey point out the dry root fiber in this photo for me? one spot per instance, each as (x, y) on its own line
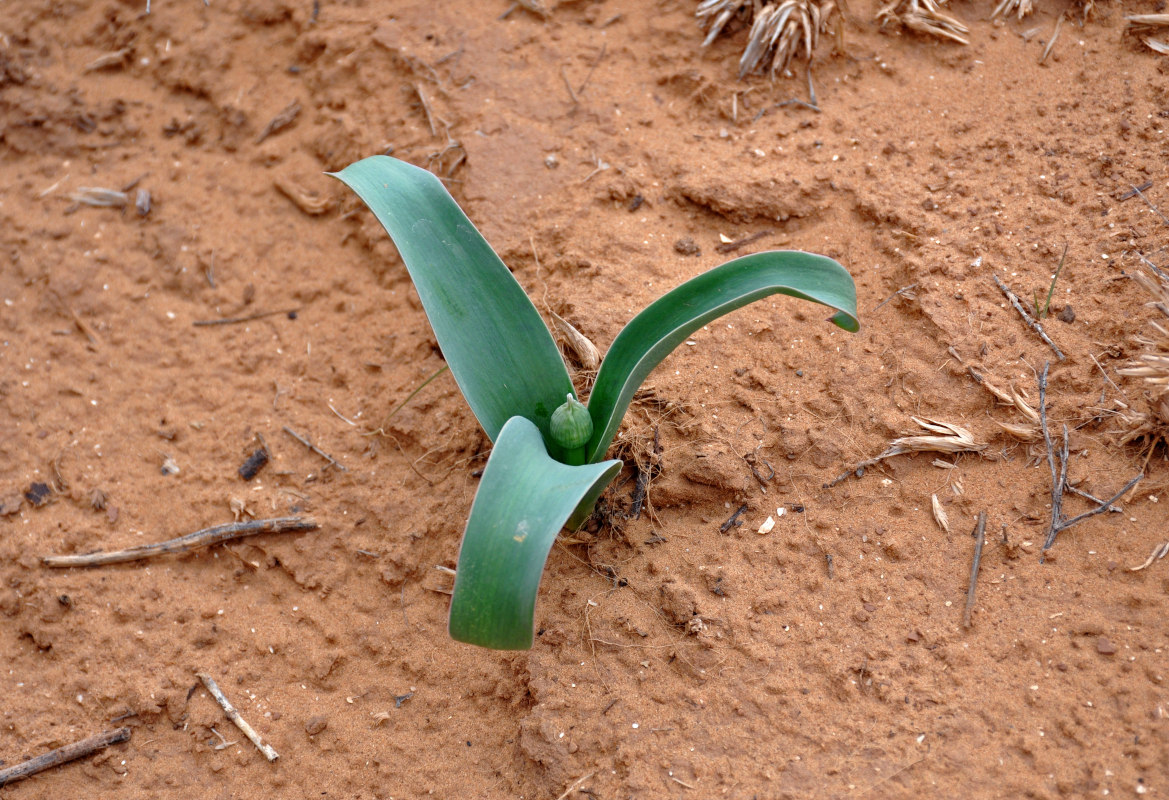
(779, 30)
(925, 16)
(1152, 366)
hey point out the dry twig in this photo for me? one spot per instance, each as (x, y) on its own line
(62, 755)
(1159, 552)
(282, 120)
(1059, 478)
(1006, 290)
(192, 541)
(248, 731)
(979, 540)
(204, 323)
(332, 461)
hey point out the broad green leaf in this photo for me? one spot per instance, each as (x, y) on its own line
(663, 325)
(523, 500)
(498, 348)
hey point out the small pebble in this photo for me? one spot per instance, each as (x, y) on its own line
(315, 725)
(1105, 647)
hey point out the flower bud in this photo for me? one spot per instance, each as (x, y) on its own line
(572, 425)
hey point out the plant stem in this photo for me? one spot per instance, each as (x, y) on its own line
(1051, 289)
(575, 457)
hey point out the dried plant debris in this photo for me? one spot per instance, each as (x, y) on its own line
(1024, 431)
(1152, 365)
(940, 513)
(936, 437)
(536, 7)
(1159, 552)
(1020, 8)
(924, 16)
(778, 30)
(97, 196)
(578, 344)
(1145, 26)
(939, 437)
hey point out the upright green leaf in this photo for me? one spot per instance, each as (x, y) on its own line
(498, 348)
(523, 500)
(663, 325)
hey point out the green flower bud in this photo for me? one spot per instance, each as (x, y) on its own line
(572, 425)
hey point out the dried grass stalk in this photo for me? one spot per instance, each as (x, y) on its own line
(1153, 367)
(924, 16)
(778, 29)
(1145, 25)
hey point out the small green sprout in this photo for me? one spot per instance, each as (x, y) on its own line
(1041, 313)
(548, 466)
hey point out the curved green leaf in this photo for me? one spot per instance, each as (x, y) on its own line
(523, 500)
(663, 325)
(498, 348)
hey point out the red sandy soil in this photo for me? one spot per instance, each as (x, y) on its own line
(826, 658)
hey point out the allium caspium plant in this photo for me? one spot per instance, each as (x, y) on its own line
(548, 465)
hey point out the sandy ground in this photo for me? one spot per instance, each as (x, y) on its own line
(606, 156)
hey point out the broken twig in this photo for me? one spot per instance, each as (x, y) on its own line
(192, 541)
(979, 540)
(732, 246)
(332, 461)
(62, 755)
(1059, 477)
(1027, 317)
(248, 731)
(204, 323)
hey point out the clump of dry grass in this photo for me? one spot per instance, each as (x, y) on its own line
(1153, 366)
(1144, 26)
(925, 16)
(778, 29)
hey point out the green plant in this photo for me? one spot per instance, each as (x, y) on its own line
(1041, 313)
(512, 375)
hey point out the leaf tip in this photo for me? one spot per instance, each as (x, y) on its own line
(846, 321)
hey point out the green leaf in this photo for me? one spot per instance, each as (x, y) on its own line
(655, 332)
(523, 500)
(498, 348)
